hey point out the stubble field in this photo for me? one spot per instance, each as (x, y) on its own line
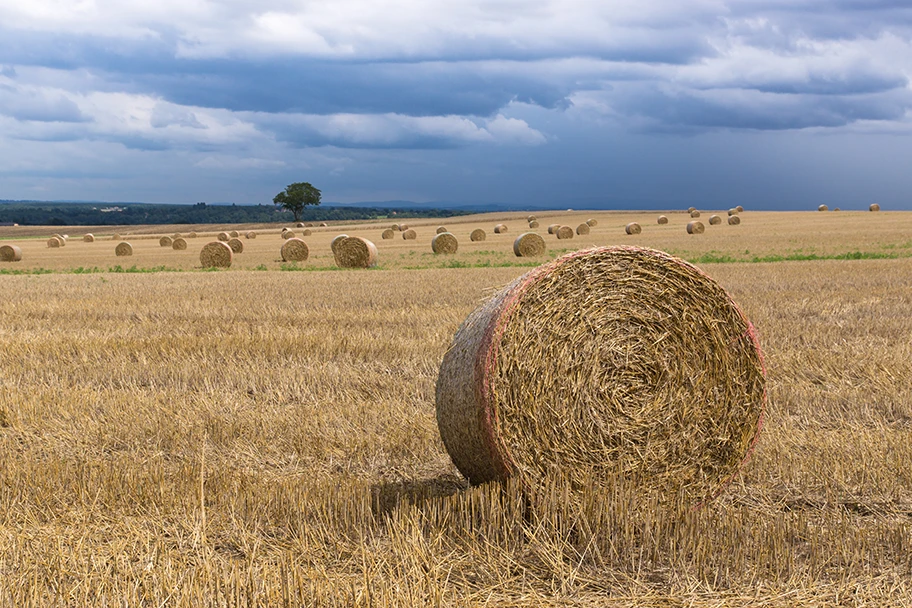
(266, 436)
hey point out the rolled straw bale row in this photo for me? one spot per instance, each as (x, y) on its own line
(336, 242)
(216, 254)
(582, 229)
(409, 235)
(715, 220)
(441, 229)
(10, 253)
(295, 250)
(179, 244)
(88, 238)
(633, 228)
(478, 235)
(663, 382)
(165, 241)
(734, 220)
(662, 220)
(387, 234)
(237, 246)
(529, 244)
(500, 229)
(695, 228)
(564, 232)
(356, 252)
(444, 242)
(123, 249)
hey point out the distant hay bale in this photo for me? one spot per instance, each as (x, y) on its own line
(323, 224)
(10, 253)
(409, 235)
(739, 209)
(356, 252)
(165, 241)
(388, 234)
(55, 242)
(403, 227)
(874, 207)
(732, 211)
(531, 218)
(306, 232)
(478, 235)
(444, 242)
(441, 229)
(192, 235)
(592, 222)
(177, 235)
(309, 225)
(395, 227)
(734, 220)
(694, 213)
(299, 225)
(564, 232)
(336, 242)
(179, 244)
(533, 224)
(604, 362)
(823, 208)
(285, 229)
(714, 220)
(88, 238)
(837, 209)
(582, 229)
(633, 228)
(250, 234)
(295, 250)
(696, 227)
(288, 234)
(500, 229)
(691, 209)
(216, 254)
(115, 237)
(552, 228)
(529, 244)
(662, 220)
(224, 237)
(237, 245)
(123, 249)
(234, 234)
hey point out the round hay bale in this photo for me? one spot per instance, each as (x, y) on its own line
(734, 220)
(306, 232)
(528, 245)
(288, 234)
(309, 225)
(531, 218)
(695, 213)
(115, 237)
(500, 229)
(10, 253)
(179, 244)
(441, 229)
(295, 250)
(633, 228)
(250, 234)
(592, 222)
(403, 227)
(192, 235)
(323, 224)
(165, 241)
(299, 225)
(552, 228)
(54, 242)
(714, 220)
(564, 232)
(356, 252)
(533, 224)
(662, 220)
(478, 235)
(395, 227)
(409, 235)
(336, 241)
(837, 209)
(66, 237)
(234, 234)
(388, 234)
(88, 238)
(695, 228)
(123, 249)
(444, 242)
(732, 211)
(691, 209)
(216, 254)
(874, 207)
(177, 235)
(823, 208)
(285, 229)
(606, 362)
(237, 245)
(739, 209)
(224, 237)
(582, 229)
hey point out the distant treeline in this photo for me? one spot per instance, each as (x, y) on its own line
(102, 214)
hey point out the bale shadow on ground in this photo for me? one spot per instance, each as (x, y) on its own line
(387, 497)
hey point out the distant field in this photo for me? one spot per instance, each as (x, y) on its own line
(268, 438)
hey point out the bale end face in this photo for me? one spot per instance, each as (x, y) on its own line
(237, 246)
(874, 207)
(54, 242)
(582, 229)
(179, 244)
(478, 235)
(533, 224)
(633, 228)
(388, 234)
(500, 229)
(250, 235)
(165, 241)
(695, 228)
(564, 232)
(356, 252)
(10, 253)
(739, 209)
(694, 213)
(334, 245)
(409, 235)
(216, 254)
(444, 243)
(288, 234)
(224, 237)
(529, 245)
(89, 238)
(123, 249)
(734, 220)
(592, 222)
(662, 220)
(714, 220)
(295, 250)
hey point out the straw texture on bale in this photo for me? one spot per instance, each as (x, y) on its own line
(533, 224)
(306, 232)
(441, 229)
(695, 228)
(410, 235)
(288, 234)
(388, 234)
(177, 235)
(356, 252)
(89, 238)
(552, 228)
(734, 220)
(528, 245)
(192, 235)
(662, 219)
(336, 242)
(250, 234)
(165, 241)
(633, 228)
(216, 254)
(55, 242)
(478, 235)
(179, 244)
(733, 211)
(606, 362)
(531, 218)
(234, 234)
(10, 253)
(694, 213)
(715, 220)
(823, 208)
(444, 242)
(224, 237)
(237, 246)
(395, 227)
(295, 250)
(691, 209)
(739, 209)
(500, 229)
(582, 229)
(123, 249)
(564, 232)
(874, 207)
(592, 222)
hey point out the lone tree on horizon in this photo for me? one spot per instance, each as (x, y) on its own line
(297, 197)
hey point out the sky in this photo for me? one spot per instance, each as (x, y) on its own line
(781, 104)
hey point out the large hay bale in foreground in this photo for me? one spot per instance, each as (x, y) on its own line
(604, 363)
(529, 244)
(336, 241)
(500, 229)
(445, 242)
(662, 220)
(582, 229)
(123, 249)
(734, 220)
(822, 208)
(10, 253)
(533, 224)
(224, 237)
(356, 252)
(295, 250)
(478, 235)
(179, 244)
(216, 254)
(250, 234)
(695, 228)
(165, 241)
(552, 228)
(633, 228)
(441, 230)
(409, 235)
(237, 245)
(88, 238)
(55, 242)
(564, 232)
(874, 207)
(387, 234)
(715, 220)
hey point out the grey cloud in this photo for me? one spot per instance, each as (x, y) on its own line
(31, 106)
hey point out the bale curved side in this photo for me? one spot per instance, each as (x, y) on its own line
(88, 238)
(123, 249)
(409, 235)
(734, 220)
(10, 253)
(662, 220)
(165, 241)
(564, 232)
(444, 242)
(582, 229)
(529, 244)
(295, 250)
(387, 234)
(478, 235)
(356, 252)
(216, 254)
(179, 244)
(237, 246)
(633, 228)
(695, 228)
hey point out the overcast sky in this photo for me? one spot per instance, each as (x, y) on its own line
(624, 103)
